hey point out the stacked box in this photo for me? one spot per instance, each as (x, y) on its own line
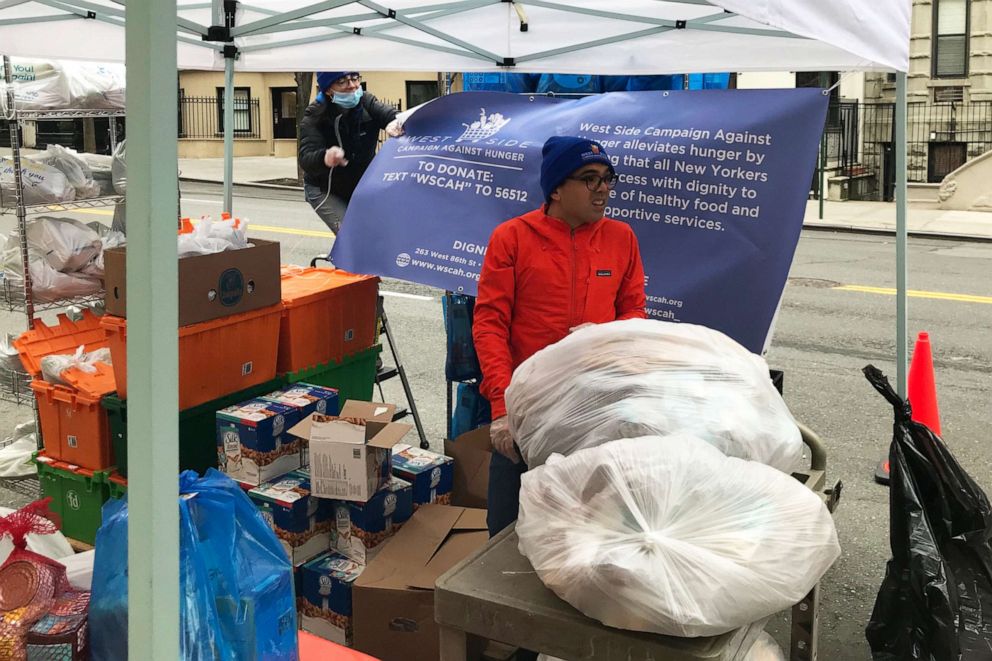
(252, 444)
(302, 521)
(308, 398)
(431, 474)
(361, 529)
(323, 589)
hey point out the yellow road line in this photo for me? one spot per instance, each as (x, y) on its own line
(916, 293)
(288, 230)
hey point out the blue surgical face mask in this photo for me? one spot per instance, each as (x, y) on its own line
(348, 99)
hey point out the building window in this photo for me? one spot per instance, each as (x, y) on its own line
(420, 91)
(242, 109)
(950, 38)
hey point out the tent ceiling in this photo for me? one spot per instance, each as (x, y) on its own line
(566, 36)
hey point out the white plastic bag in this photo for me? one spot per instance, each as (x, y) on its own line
(73, 166)
(16, 453)
(95, 85)
(765, 649)
(54, 365)
(101, 166)
(79, 569)
(66, 244)
(670, 536)
(212, 236)
(54, 546)
(118, 168)
(38, 85)
(42, 184)
(640, 377)
(10, 358)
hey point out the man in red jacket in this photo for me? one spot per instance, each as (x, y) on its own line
(546, 273)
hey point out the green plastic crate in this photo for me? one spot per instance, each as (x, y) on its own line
(353, 377)
(77, 497)
(117, 485)
(197, 428)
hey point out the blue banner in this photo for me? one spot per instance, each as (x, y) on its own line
(713, 182)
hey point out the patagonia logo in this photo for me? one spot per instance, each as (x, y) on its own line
(604, 273)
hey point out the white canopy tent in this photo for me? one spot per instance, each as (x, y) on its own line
(618, 37)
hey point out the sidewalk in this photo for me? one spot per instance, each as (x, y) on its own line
(925, 219)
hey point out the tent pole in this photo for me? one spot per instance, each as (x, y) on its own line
(228, 134)
(152, 341)
(902, 210)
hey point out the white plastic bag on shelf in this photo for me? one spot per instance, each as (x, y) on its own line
(42, 184)
(73, 166)
(50, 285)
(54, 365)
(93, 85)
(118, 168)
(38, 85)
(101, 167)
(670, 536)
(66, 244)
(16, 452)
(10, 358)
(641, 377)
(212, 236)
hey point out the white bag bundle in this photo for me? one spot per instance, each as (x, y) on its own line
(73, 166)
(640, 377)
(95, 85)
(67, 244)
(54, 365)
(101, 166)
(212, 236)
(118, 168)
(42, 184)
(670, 536)
(38, 85)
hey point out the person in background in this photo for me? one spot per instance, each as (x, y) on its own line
(338, 137)
(545, 274)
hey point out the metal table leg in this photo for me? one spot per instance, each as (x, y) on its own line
(454, 644)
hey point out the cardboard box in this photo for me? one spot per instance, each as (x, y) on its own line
(308, 398)
(350, 454)
(210, 286)
(361, 529)
(471, 452)
(324, 596)
(302, 522)
(431, 474)
(252, 444)
(394, 596)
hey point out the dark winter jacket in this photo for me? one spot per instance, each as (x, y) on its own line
(356, 131)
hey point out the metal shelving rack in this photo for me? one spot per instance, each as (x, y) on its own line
(17, 295)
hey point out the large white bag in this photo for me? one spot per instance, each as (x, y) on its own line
(670, 536)
(42, 184)
(639, 377)
(73, 166)
(38, 85)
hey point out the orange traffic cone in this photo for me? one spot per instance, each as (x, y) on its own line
(922, 391)
(922, 396)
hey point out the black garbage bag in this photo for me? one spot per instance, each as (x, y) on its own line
(935, 603)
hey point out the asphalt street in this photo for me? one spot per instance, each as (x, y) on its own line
(837, 315)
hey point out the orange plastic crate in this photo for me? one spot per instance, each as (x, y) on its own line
(74, 427)
(216, 357)
(313, 648)
(327, 314)
(63, 338)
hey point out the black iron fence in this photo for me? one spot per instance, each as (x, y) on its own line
(202, 117)
(940, 137)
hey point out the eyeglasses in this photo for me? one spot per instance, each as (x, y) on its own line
(594, 181)
(344, 80)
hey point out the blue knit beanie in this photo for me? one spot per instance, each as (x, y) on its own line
(325, 78)
(563, 155)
